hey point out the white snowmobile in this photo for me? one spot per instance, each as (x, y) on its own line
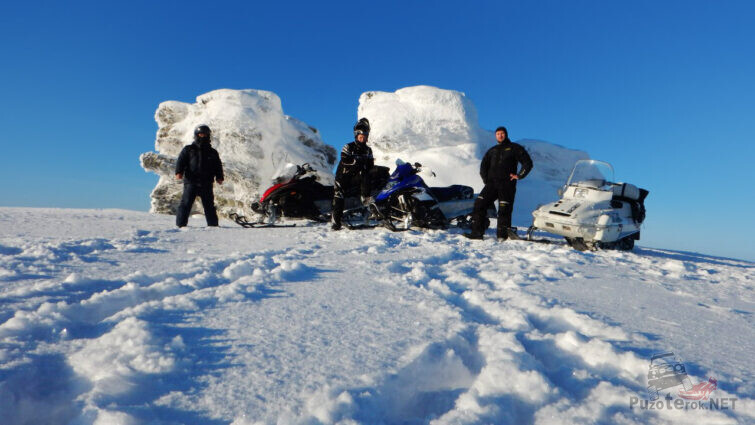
(593, 212)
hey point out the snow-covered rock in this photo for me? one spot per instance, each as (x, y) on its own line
(252, 136)
(435, 127)
(439, 129)
(419, 117)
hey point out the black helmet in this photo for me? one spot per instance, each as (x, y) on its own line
(362, 127)
(202, 129)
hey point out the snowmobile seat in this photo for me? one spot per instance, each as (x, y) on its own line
(378, 176)
(626, 191)
(321, 191)
(452, 193)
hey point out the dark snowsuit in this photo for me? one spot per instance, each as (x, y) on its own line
(200, 165)
(352, 172)
(496, 168)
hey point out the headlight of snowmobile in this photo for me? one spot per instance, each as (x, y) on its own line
(580, 192)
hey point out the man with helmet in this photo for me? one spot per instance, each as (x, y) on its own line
(198, 165)
(353, 170)
(499, 174)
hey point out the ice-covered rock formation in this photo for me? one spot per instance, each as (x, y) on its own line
(439, 129)
(252, 136)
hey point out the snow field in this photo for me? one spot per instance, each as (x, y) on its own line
(141, 323)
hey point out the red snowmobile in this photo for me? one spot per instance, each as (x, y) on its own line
(296, 193)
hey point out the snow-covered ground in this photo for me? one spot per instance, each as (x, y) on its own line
(116, 317)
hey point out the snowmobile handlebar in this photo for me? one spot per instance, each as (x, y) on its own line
(418, 168)
(304, 169)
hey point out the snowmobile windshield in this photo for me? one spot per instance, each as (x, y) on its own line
(402, 171)
(285, 173)
(591, 173)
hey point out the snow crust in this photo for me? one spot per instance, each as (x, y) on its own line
(115, 317)
(252, 136)
(439, 129)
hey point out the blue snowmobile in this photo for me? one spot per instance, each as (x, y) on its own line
(406, 201)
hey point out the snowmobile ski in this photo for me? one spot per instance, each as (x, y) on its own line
(359, 218)
(361, 226)
(530, 238)
(243, 222)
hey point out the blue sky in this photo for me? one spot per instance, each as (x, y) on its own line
(663, 90)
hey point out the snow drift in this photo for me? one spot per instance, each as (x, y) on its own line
(117, 317)
(252, 136)
(439, 129)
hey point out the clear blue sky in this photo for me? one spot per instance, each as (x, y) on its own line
(665, 90)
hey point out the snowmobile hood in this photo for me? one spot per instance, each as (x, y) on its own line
(564, 207)
(271, 190)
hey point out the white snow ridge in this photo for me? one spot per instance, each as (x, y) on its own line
(115, 317)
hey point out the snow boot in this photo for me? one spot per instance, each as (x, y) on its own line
(473, 235)
(508, 233)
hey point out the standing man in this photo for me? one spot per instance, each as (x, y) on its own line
(499, 174)
(198, 165)
(352, 172)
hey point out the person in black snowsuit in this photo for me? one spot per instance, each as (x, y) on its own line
(198, 165)
(353, 170)
(499, 174)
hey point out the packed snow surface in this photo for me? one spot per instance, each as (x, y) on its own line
(116, 317)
